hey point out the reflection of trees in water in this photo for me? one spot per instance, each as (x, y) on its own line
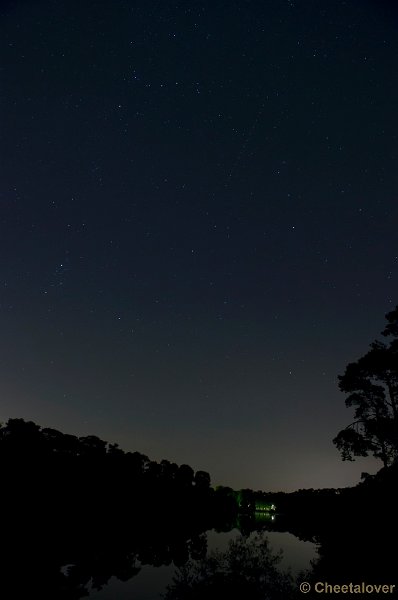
(96, 573)
(356, 550)
(83, 503)
(64, 569)
(351, 549)
(248, 569)
(77, 511)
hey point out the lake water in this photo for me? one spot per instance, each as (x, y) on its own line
(151, 582)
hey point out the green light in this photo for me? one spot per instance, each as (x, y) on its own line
(265, 507)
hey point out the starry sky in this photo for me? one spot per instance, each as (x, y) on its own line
(198, 222)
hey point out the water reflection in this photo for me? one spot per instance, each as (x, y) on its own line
(79, 515)
(140, 562)
(151, 582)
(247, 569)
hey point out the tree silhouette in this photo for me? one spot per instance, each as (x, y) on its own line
(372, 385)
(102, 512)
(202, 480)
(248, 569)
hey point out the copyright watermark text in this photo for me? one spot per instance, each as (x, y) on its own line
(322, 587)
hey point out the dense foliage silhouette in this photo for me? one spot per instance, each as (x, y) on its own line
(248, 569)
(78, 510)
(88, 504)
(372, 385)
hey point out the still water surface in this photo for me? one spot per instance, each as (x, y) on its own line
(151, 582)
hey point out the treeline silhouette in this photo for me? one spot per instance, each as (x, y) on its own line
(83, 502)
(91, 475)
(77, 511)
(354, 528)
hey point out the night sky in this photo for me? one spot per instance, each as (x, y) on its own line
(198, 225)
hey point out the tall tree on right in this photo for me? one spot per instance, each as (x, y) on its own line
(372, 385)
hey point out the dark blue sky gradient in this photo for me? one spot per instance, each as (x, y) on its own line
(198, 225)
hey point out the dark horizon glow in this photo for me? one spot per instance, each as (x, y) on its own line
(198, 225)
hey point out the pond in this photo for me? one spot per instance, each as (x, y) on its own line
(151, 582)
